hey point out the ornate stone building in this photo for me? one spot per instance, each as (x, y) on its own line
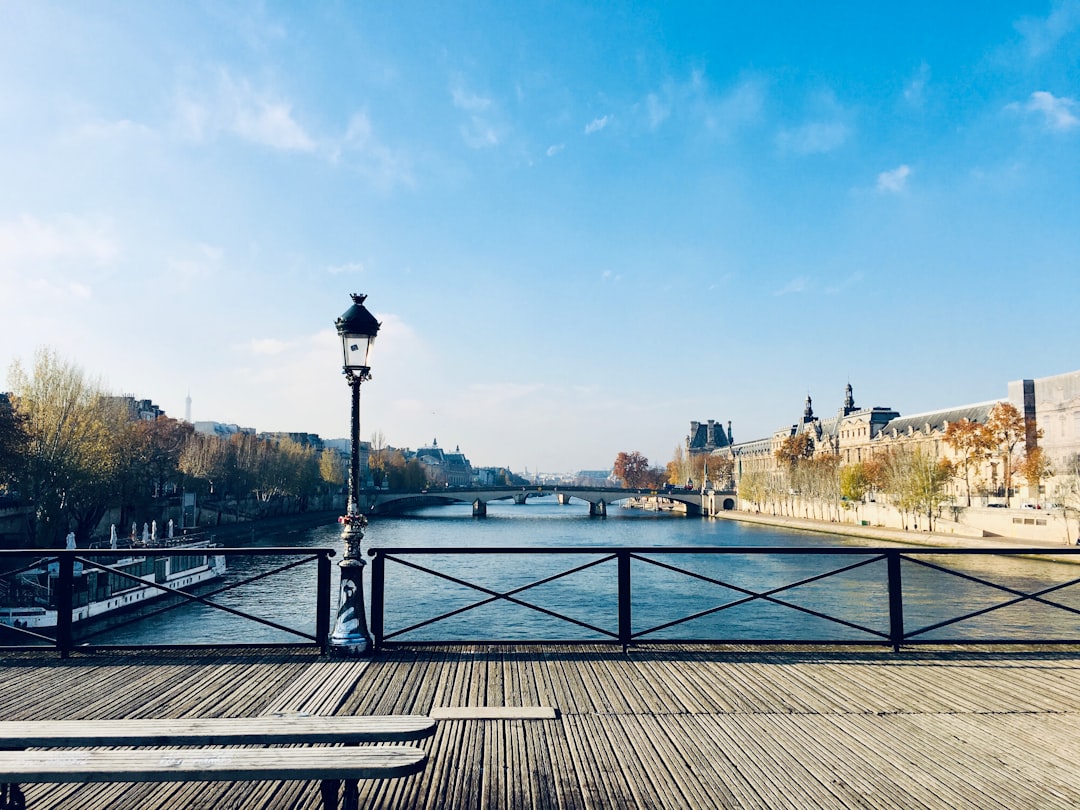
(1050, 404)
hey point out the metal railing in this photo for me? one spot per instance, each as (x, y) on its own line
(666, 595)
(73, 565)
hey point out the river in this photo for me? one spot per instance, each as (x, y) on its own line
(660, 594)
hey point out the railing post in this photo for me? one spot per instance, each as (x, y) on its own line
(65, 587)
(378, 583)
(625, 611)
(322, 603)
(896, 600)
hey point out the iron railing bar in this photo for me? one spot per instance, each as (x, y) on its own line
(495, 596)
(1021, 597)
(722, 583)
(482, 589)
(766, 595)
(204, 600)
(997, 586)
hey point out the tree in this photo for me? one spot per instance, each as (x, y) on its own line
(632, 468)
(332, 468)
(854, 482)
(795, 448)
(13, 440)
(1007, 427)
(678, 469)
(1035, 468)
(71, 461)
(916, 481)
(972, 443)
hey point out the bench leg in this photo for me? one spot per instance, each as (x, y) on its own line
(329, 789)
(11, 797)
(351, 800)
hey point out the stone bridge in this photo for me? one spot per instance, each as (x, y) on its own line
(389, 501)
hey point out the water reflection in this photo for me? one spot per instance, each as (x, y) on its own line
(719, 590)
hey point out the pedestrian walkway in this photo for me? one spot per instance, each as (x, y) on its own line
(657, 727)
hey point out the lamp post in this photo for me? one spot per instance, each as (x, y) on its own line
(357, 329)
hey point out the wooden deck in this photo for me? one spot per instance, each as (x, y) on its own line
(654, 728)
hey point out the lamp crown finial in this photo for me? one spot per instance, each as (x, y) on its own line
(358, 298)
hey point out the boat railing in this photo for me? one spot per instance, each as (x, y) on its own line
(743, 596)
(307, 623)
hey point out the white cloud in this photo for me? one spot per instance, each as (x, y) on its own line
(597, 124)
(1056, 112)
(268, 346)
(1042, 35)
(28, 240)
(657, 109)
(850, 281)
(796, 285)
(349, 268)
(611, 277)
(554, 149)
(481, 129)
(894, 180)
(203, 261)
(236, 108)
(467, 100)
(372, 158)
(271, 123)
(112, 130)
(814, 138)
(915, 88)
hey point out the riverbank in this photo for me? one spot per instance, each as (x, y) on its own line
(881, 534)
(296, 523)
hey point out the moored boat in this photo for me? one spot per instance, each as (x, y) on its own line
(105, 585)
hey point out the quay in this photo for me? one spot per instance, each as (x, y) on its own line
(527, 728)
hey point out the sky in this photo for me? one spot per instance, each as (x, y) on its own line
(582, 225)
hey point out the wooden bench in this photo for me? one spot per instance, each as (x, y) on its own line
(147, 756)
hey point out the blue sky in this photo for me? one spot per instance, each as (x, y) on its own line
(583, 225)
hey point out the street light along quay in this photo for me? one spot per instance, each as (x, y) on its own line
(357, 329)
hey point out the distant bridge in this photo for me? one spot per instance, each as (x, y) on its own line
(390, 501)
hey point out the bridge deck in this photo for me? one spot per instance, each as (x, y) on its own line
(656, 728)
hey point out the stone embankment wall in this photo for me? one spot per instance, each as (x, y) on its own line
(957, 526)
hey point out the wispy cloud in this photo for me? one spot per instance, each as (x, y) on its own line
(795, 286)
(852, 280)
(813, 138)
(480, 130)
(610, 277)
(554, 149)
(894, 180)
(199, 262)
(362, 150)
(597, 124)
(1055, 112)
(349, 268)
(1042, 34)
(237, 108)
(916, 87)
(29, 240)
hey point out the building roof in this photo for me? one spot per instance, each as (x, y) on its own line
(937, 420)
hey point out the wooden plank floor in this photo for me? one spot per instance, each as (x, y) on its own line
(654, 728)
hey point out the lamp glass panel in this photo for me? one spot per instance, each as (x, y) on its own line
(356, 350)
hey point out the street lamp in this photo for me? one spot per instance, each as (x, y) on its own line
(357, 329)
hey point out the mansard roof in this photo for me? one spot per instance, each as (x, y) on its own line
(699, 436)
(937, 420)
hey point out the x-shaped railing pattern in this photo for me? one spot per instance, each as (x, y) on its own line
(888, 585)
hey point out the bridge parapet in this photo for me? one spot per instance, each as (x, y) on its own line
(598, 498)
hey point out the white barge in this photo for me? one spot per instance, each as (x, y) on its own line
(111, 584)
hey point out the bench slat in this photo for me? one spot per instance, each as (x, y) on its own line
(267, 730)
(180, 765)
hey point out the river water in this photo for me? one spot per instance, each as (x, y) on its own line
(667, 589)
